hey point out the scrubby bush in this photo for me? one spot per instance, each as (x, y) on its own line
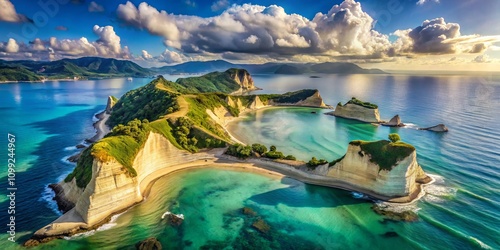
(315, 162)
(274, 155)
(394, 137)
(259, 148)
(239, 151)
(290, 157)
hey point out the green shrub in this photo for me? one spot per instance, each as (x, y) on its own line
(356, 101)
(394, 137)
(315, 162)
(239, 151)
(290, 157)
(274, 155)
(259, 148)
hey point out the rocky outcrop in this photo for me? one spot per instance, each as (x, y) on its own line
(149, 244)
(242, 78)
(357, 168)
(256, 104)
(109, 106)
(394, 122)
(357, 112)
(437, 128)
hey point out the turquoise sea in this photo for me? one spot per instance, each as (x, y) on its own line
(460, 212)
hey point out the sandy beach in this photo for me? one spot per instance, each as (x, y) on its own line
(100, 126)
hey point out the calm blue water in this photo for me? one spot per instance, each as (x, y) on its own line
(461, 213)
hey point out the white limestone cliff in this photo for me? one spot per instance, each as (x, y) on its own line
(357, 112)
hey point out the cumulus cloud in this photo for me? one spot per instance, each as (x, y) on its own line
(422, 2)
(8, 13)
(95, 7)
(345, 30)
(438, 37)
(146, 55)
(107, 45)
(481, 59)
(219, 5)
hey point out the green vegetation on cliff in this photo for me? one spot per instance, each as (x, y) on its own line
(289, 97)
(212, 82)
(384, 153)
(358, 102)
(147, 102)
(83, 170)
(314, 162)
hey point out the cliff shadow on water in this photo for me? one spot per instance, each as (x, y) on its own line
(322, 196)
(354, 128)
(33, 208)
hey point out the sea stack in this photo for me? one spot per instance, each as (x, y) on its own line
(384, 168)
(394, 122)
(358, 110)
(437, 128)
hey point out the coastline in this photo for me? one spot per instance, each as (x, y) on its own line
(100, 127)
(71, 223)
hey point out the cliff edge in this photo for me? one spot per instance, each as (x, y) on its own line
(358, 110)
(385, 168)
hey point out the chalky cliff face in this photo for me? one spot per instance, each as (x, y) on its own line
(357, 112)
(358, 168)
(243, 78)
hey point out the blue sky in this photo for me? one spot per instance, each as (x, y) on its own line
(364, 31)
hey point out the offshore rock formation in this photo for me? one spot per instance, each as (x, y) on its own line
(357, 112)
(359, 169)
(437, 128)
(394, 122)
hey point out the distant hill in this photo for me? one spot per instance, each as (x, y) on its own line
(85, 67)
(268, 68)
(17, 74)
(228, 81)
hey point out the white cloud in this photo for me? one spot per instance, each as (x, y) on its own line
(8, 13)
(344, 30)
(95, 7)
(252, 39)
(438, 37)
(146, 55)
(170, 57)
(481, 59)
(219, 5)
(11, 46)
(108, 45)
(422, 2)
